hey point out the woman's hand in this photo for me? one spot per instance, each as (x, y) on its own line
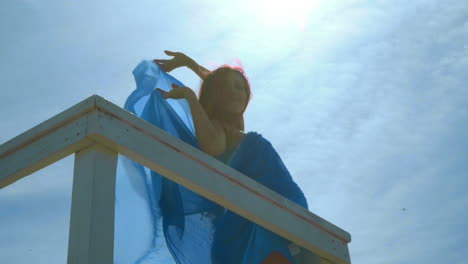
(179, 60)
(177, 92)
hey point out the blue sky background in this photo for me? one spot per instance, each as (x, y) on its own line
(365, 101)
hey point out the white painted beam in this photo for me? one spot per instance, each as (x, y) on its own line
(45, 143)
(91, 239)
(43, 150)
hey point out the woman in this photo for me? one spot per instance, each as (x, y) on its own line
(223, 98)
(197, 230)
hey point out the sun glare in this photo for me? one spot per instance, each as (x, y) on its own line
(290, 14)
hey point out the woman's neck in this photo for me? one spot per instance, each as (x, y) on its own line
(233, 136)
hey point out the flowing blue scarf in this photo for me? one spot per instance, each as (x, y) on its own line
(159, 221)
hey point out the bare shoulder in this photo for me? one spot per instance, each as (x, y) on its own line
(220, 142)
(240, 134)
(231, 138)
(237, 138)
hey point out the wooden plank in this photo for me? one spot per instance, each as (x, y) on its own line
(45, 143)
(325, 261)
(303, 256)
(68, 116)
(91, 239)
(214, 180)
(40, 151)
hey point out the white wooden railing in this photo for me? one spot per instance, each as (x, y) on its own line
(97, 130)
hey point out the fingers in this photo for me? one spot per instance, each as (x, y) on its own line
(170, 53)
(160, 63)
(174, 92)
(163, 93)
(163, 64)
(175, 86)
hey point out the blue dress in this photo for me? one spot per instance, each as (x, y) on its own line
(159, 221)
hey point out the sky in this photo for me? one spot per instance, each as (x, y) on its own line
(366, 103)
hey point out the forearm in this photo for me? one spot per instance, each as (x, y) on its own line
(201, 71)
(205, 130)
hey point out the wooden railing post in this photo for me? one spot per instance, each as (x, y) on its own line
(91, 239)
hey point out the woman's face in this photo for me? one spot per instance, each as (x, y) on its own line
(235, 90)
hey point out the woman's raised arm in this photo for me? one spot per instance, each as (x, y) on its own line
(210, 134)
(180, 60)
(201, 71)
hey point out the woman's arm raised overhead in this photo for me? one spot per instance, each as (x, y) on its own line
(201, 71)
(180, 60)
(210, 134)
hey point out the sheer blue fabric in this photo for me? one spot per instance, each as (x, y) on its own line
(159, 221)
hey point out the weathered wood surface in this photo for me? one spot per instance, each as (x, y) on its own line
(91, 237)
